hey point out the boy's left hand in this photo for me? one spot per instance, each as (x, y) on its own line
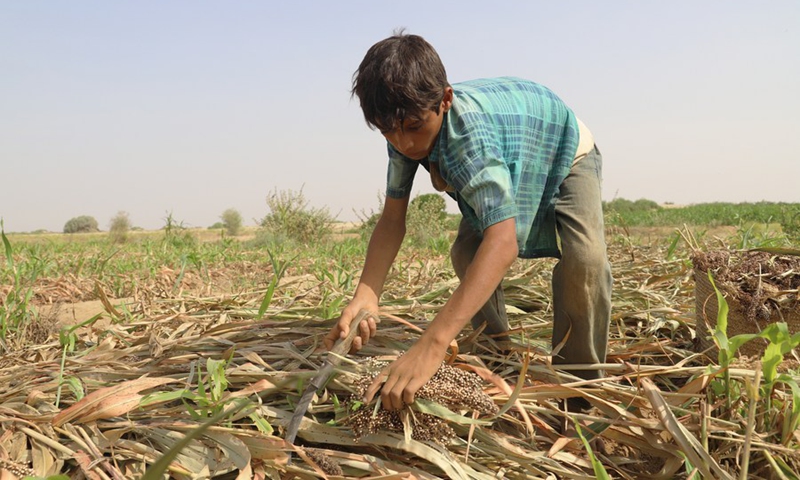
(406, 375)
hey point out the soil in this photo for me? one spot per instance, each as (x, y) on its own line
(73, 313)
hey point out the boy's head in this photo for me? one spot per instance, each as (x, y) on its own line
(399, 79)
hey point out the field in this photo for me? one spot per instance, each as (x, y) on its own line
(186, 351)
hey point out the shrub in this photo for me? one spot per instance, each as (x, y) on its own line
(621, 205)
(291, 218)
(427, 222)
(119, 227)
(81, 224)
(426, 219)
(176, 234)
(232, 221)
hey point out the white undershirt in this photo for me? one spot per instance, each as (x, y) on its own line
(586, 142)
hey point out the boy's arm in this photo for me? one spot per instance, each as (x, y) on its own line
(383, 247)
(407, 374)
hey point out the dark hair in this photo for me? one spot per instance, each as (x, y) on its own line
(400, 76)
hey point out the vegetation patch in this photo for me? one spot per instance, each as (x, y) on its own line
(199, 372)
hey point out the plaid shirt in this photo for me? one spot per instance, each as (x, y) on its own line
(504, 147)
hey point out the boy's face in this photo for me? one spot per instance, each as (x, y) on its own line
(417, 136)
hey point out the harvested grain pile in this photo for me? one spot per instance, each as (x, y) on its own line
(452, 387)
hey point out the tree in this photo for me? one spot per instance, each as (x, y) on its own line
(232, 221)
(119, 227)
(82, 224)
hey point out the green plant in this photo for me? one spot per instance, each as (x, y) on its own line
(291, 217)
(15, 310)
(119, 227)
(784, 420)
(208, 399)
(82, 224)
(232, 221)
(278, 270)
(781, 342)
(425, 220)
(176, 234)
(789, 219)
(727, 346)
(67, 338)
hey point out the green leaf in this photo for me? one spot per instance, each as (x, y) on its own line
(267, 297)
(599, 470)
(735, 342)
(162, 397)
(7, 245)
(261, 423)
(791, 421)
(722, 310)
(770, 360)
(437, 410)
(75, 386)
(216, 372)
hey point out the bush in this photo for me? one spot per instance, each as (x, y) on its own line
(426, 219)
(232, 221)
(119, 227)
(81, 224)
(621, 205)
(789, 218)
(176, 234)
(427, 222)
(291, 218)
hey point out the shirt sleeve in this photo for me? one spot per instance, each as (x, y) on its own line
(400, 174)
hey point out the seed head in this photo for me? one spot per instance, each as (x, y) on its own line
(452, 387)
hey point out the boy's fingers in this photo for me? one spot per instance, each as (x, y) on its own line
(411, 390)
(392, 394)
(374, 387)
(373, 327)
(356, 346)
(331, 337)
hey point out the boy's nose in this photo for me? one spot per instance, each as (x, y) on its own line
(405, 143)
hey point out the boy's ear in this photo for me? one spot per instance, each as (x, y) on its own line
(447, 101)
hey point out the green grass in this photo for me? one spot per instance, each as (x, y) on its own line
(649, 214)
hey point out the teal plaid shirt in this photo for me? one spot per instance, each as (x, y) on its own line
(505, 146)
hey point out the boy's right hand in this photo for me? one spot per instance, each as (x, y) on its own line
(368, 327)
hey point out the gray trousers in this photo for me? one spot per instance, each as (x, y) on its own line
(581, 279)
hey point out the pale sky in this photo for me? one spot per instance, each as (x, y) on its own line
(193, 107)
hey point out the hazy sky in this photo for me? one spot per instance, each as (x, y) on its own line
(193, 107)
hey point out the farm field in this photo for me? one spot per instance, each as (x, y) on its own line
(186, 351)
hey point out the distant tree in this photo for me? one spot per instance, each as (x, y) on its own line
(232, 221)
(82, 224)
(119, 227)
(217, 226)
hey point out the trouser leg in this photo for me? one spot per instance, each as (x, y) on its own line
(493, 312)
(582, 278)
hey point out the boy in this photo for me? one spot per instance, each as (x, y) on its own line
(521, 167)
